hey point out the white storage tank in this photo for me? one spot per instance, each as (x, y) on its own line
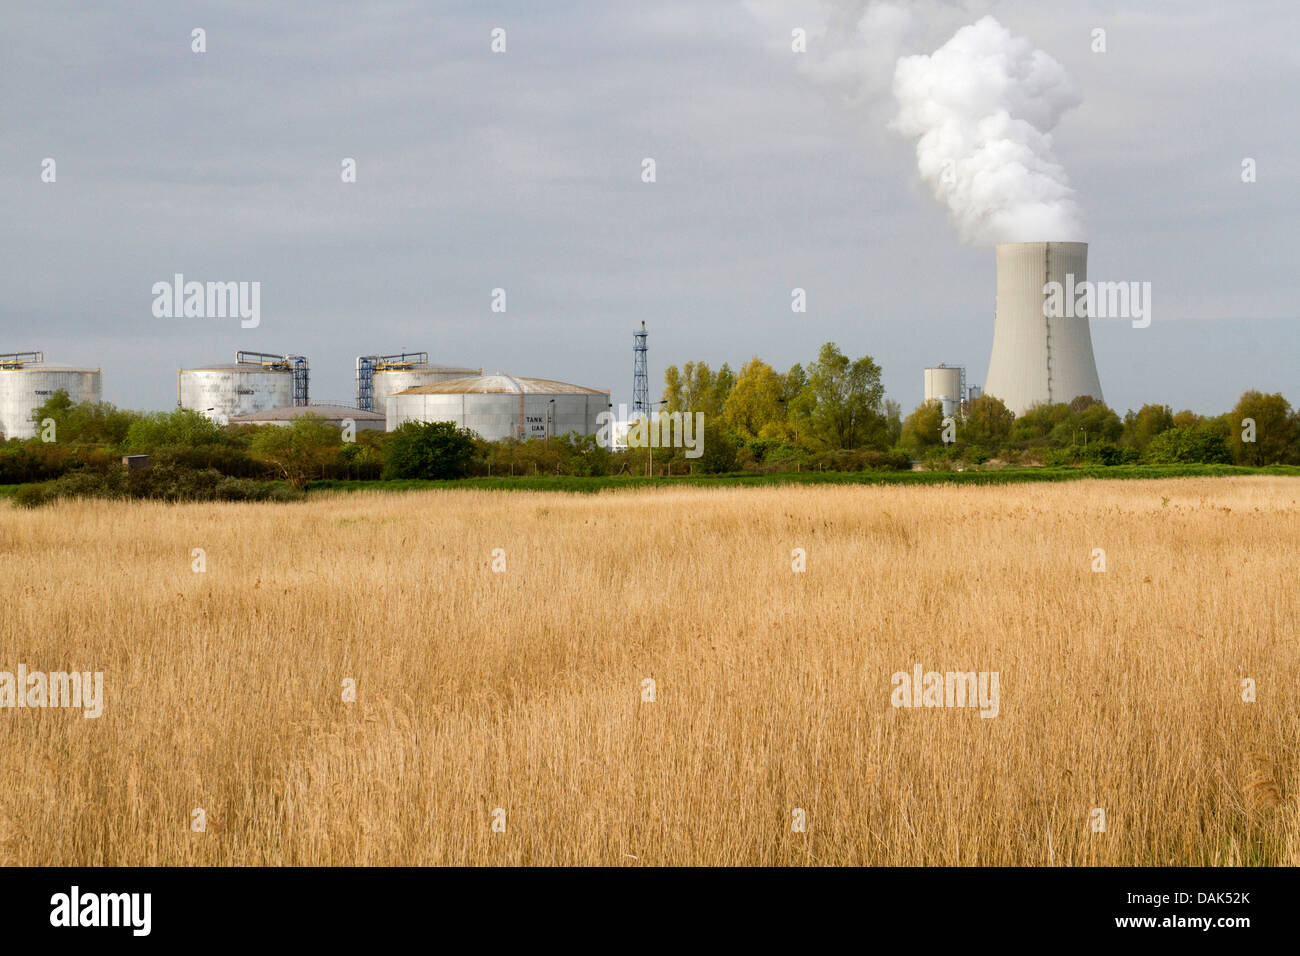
(944, 382)
(239, 388)
(389, 381)
(26, 383)
(500, 406)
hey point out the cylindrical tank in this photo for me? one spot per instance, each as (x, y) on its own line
(943, 382)
(220, 391)
(1037, 357)
(25, 389)
(389, 381)
(500, 407)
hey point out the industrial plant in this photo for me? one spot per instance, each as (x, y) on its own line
(271, 389)
(1036, 358)
(27, 383)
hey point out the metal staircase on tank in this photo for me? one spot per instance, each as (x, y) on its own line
(297, 364)
(368, 365)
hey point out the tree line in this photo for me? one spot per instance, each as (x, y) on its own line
(1261, 429)
(835, 412)
(830, 415)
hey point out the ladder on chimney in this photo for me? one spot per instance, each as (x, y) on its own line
(1047, 320)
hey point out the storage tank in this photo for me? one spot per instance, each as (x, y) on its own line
(501, 406)
(222, 391)
(389, 381)
(945, 382)
(27, 383)
(1039, 358)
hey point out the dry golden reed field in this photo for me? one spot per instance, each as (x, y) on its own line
(522, 689)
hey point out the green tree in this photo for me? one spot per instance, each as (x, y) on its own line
(428, 450)
(797, 403)
(723, 383)
(793, 382)
(847, 400)
(894, 421)
(674, 390)
(697, 388)
(1145, 424)
(923, 429)
(755, 400)
(298, 451)
(1087, 421)
(1274, 430)
(1037, 424)
(987, 424)
(691, 389)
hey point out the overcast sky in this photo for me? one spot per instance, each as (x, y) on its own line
(522, 170)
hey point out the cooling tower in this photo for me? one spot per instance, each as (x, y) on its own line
(1037, 358)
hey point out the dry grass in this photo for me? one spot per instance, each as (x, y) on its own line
(522, 690)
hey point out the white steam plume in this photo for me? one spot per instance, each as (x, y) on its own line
(982, 108)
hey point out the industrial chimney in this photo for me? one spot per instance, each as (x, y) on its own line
(1037, 358)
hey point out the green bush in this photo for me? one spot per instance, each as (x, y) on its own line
(158, 483)
(428, 450)
(182, 427)
(940, 458)
(282, 493)
(582, 456)
(237, 489)
(22, 462)
(1199, 444)
(718, 453)
(228, 460)
(896, 459)
(1109, 454)
(1059, 457)
(33, 496)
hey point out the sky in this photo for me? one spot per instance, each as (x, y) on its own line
(522, 171)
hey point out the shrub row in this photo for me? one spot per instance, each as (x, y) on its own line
(159, 482)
